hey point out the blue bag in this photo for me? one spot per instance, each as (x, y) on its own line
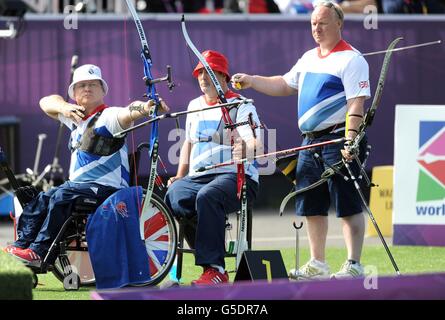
(117, 252)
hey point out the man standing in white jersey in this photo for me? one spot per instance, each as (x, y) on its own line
(332, 82)
(99, 162)
(210, 195)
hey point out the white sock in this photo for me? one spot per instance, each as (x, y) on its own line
(319, 262)
(217, 267)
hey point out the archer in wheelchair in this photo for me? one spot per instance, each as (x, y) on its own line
(212, 194)
(54, 221)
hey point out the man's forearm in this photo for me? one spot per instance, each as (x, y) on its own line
(355, 116)
(254, 147)
(272, 86)
(138, 110)
(53, 105)
(184, 159)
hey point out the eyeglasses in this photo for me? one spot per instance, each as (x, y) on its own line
(83, 85)
(329, 4)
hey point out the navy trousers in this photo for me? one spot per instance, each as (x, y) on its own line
(44, 216)
(210, 197)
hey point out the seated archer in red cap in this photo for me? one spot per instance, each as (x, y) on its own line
(212, 194)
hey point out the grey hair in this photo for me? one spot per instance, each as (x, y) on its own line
(328, 4)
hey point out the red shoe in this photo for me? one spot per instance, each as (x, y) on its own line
(11, 249)
(211, 276)
(28, 256)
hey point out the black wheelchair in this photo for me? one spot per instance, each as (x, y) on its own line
(68, 257)
(72, 264)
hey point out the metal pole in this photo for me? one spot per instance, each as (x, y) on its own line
(297, 245)
(371, 216)
(41, 137)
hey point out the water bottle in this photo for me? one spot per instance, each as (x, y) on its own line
(172, 272)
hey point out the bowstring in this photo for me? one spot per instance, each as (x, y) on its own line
(132, 139)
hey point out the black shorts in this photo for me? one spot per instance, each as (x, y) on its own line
(342, 194)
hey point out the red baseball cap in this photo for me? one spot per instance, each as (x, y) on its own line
(217, 61)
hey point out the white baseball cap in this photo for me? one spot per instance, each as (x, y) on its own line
(84, 73)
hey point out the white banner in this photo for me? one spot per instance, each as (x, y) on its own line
(419, 165)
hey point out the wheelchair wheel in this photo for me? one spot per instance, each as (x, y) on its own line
(80, 260)
(160, 239)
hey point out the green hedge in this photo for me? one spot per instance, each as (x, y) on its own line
(15, 279)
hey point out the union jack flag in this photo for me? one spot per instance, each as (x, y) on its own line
(363, 84)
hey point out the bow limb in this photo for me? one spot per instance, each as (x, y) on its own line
(148, 77)
(198, 54)
(296, 192)
(369, 116)
(378, 94)
(151, 94)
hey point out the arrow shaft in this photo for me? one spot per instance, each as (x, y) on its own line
(180, 113)
(277, 153)
(403, 48)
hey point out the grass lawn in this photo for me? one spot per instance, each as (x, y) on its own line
(409, 260)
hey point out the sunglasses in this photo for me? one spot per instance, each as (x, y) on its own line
(329, 4)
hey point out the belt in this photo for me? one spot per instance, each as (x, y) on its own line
(318, 134)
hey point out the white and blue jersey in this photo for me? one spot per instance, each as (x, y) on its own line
(112, 170)
(200, 131)
(325, 83)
